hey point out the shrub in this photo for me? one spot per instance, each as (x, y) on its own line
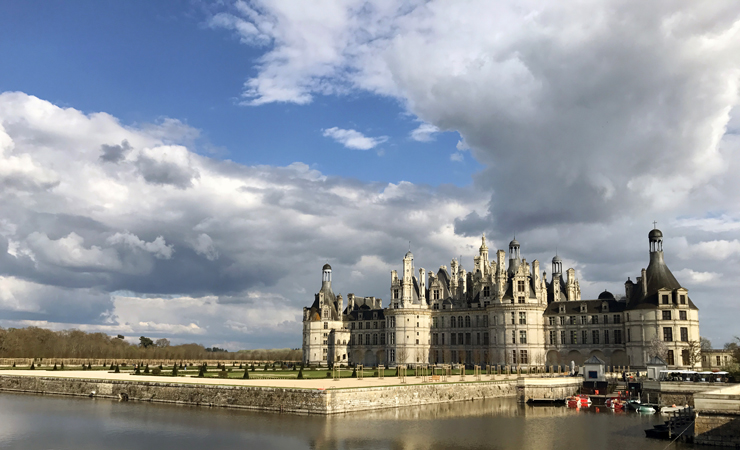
(160, 367)
(252, 367)
(32, 366)
(328, 374)
(55, 367)
(300, 373)
(202, 372)
(174, 370)
(265, 367)
(137, 371)
(229, 369)
(354, 372)
(246, 375)
(223, 374)
(156, 371)
(240, 366)
(117, 370)
(146, 368)
(84, 367)
(62, 366)
(123, 364)
(13, 363)
(112, 367)
(89, 366)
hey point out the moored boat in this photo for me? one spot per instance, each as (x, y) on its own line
(578, 401)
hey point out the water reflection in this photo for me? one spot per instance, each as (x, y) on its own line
(34, 422)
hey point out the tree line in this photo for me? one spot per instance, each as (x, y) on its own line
(35, 342)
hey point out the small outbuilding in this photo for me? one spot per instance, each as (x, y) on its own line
(654, 366)
(594, 369)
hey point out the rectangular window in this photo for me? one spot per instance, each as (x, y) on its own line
(617, 318)
(666, 315)
(584, 335)
(520, 286)
(495, 320)
(668, 334)
(392, 337)
(375, 325)
(352, 326)
(367, 339)
(562, 320)
(562, 337)
(685, 357)
(435, 339)
(595, 337)
(477, 338)
(443, 339)
(434, 322)
(573, 337)
(606, 319)
(683, 299)
(436, 294)
(395, 293)
(359, 325)
(551, 321)
(459, 339)
(375, 339)
(669, 358)
(486, 291)
(513, 357)
(684, 334)
(382, 339)
(522, 337)
(584, 320)
(367, 324)
(606, 337)
(485, 338)
(395, 305)
(417, 342)
(617, 336)
(572, 320)
(522, 318)
(521, 300)
(485, 321)
(629, 337)
(595, 319)
(719, 360)
(665, 299)
(512, 300)
(513, 318)
(467, 339)
(453, 339)
(682, 315)
(513, 337)
(523, 357)
(553, 337)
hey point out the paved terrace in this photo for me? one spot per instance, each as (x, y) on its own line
(315, 383)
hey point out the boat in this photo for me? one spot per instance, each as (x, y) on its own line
(646, 409)
(578, 401)
(633, 404)
(672, 409)
(616, 404)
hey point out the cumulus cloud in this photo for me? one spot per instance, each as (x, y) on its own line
(424, 132)
(133, 249)
(353, 139)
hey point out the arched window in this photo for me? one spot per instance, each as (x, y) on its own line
(459, 321)
(467, 321)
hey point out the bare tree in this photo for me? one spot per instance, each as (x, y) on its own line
(402, 355)
(706, 344)
(694, 350)
(657, 348)
(162, 343)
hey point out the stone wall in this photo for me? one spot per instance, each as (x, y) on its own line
(673, 393)
(261, 398)
(718, 417)
(296, 400)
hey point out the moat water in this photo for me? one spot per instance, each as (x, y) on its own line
(62, 423)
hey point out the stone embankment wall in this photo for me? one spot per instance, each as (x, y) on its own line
(248, 397)
(296, 400)
(718, 417)
(673, 393)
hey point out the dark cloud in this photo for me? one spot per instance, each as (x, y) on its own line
(114, 153)
(165, 172)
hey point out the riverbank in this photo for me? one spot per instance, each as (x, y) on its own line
(311, 396)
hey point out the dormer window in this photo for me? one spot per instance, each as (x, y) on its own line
(665, 299)
(375, 316)
(583, 308)
(359, 316)
(605, 307)
(562, 309)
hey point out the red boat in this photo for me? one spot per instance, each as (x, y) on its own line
(578, 401)
(616, 404)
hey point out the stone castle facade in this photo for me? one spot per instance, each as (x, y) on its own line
(504, 313)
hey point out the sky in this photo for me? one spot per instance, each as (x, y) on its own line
(184, 169)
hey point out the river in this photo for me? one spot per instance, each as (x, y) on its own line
(64, 423)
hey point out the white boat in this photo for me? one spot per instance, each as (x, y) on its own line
(671, 409)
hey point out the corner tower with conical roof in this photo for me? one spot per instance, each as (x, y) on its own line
(660, 318)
